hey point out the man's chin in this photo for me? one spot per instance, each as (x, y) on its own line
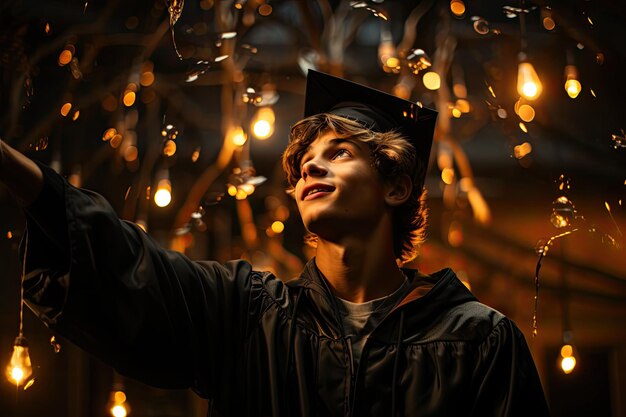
(327, 227)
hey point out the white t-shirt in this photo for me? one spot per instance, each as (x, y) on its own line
(360, 319)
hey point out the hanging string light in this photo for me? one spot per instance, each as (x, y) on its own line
(572, 85)
(528, 83)
(387, 52)
(19, 369)
(568, 360)
(118, 402)
(163, 194)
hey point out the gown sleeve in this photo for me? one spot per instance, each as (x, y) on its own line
(108, 287)
(505, 378)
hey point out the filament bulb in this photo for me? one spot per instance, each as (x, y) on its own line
(572, 84)
(528, 84)
(19, 369)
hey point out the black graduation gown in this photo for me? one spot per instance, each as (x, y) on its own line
(254, 346)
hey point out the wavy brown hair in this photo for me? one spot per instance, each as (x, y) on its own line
(392, 156)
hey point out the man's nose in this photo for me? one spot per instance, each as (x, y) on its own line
(313, 168)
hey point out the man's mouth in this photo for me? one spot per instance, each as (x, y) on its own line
(317, 190)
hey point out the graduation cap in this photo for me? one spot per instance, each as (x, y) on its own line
(374, 109)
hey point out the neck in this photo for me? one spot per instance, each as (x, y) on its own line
(360, 268)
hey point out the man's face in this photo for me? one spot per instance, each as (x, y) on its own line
(339, 191)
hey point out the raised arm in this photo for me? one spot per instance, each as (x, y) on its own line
(107, 286)
(20, 174)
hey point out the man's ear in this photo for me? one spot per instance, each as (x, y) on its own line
(398, 190)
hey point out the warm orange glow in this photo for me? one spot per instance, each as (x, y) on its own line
(463, 105)
(526, 112)
(19, 369)
(277, 227)
(568, 364)
(523, 127)
(265, 9)
(65, 109)
(240, 195)
(431, 80)
(548, 23)
(386, 51)
(456, 113)
(237, 136)
(169, 149)
(457, 7)
(76, 115)
(567, 350)
(402, 90)
(263, 123)
(129, 98)
(247, 188)
(528, 84)
(261, 129)
(147, 78)
(522, 150)
(482, 214)
(572, 85)
(163, 194)
(108, 134)
(142, 225)
(119, 397)
(116, 140)
(195, 155)
(232, 190)
(392, 62)
(65, 57)
(459, 90)
(447, 175)
(455, 234)
(131, 153)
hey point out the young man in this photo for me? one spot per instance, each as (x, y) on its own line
(354, 335)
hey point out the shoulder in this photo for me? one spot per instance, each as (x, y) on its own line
(471, 322)
(449, 312)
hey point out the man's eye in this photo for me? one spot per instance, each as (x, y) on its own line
(341, 153)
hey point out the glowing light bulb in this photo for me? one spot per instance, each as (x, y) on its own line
(572, 85)
(568, 364)
(431, 80)
(19, 369)
(263, 123)
(568, 360)
(528, 84)
(118, 407)
(163, 194)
